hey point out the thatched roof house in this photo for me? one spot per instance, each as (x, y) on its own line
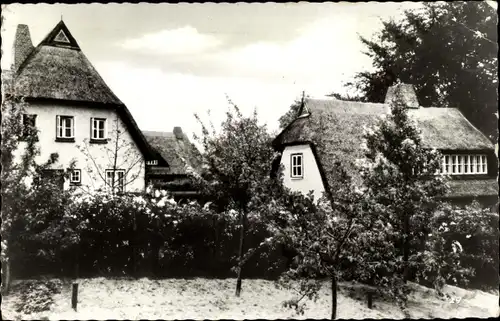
(183, 158)
(341, 123)
(57, 71)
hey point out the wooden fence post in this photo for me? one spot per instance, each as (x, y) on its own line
(74, 296)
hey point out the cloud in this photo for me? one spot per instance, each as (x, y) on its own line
(185, 40)
(321, 52)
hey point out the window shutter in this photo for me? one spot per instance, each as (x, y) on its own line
(91, 127)
(72, 126)
(105, 128)
(58, 126)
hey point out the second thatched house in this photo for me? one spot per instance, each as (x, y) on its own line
(183, 158)
(468, 156)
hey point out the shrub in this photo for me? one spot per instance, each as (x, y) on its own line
(466, 238)
(36, 296)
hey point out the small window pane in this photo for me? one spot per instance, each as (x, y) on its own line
(478, 164)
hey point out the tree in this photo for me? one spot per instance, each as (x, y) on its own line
(238, 162)
(22, 182)
(448, 51)
(105, 161)
(399, 178)
(322, 235)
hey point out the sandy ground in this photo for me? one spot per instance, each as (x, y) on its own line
(101, 298)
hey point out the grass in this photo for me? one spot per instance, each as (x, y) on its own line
(101, 298)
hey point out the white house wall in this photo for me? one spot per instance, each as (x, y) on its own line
(311, 179)
(69, 151)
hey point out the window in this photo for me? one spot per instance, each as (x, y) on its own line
(464, 164)
(65, 128)
(29, 125)
(75, 177)
(297, 170)
(118, 176)
(152, 162)
(98, 128)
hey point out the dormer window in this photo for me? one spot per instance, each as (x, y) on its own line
(61, 37)
(464, 164)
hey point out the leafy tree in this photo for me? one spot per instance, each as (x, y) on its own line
(399, 179)
(448, 50)
(238, 163)
(22, 183)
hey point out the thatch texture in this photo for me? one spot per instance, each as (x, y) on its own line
(335, 128)
(61, 73)
(177, 150)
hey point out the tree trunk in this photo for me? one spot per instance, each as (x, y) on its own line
(240, 252)
(334, 297)
(406, 248)
(8, 278)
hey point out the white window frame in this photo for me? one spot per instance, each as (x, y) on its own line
(72, 179)
(109, 173)
(94, 128)
(61, 128)
(464, 164)
(295, 167)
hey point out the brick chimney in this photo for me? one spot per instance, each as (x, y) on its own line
(22, 46)
(405, 91)
(178, 133)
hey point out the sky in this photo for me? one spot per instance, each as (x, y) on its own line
(169, 61)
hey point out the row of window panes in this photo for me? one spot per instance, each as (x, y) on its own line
(66, 128)
(119, 178)
(464, 164)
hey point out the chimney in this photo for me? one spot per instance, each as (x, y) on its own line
(178, 133)
(406, 92)
(22, 46)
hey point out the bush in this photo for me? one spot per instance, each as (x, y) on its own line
(36, 296)
(139, 235)
(467, 238)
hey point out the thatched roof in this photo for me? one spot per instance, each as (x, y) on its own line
(57, 70)
(340, 125)
(60, 70)
(177, 150)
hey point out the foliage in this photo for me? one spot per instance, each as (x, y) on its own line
(31, 205)
(448, 50)
(462, 248)
(238, 162)
(400, 194)
(37, 296)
